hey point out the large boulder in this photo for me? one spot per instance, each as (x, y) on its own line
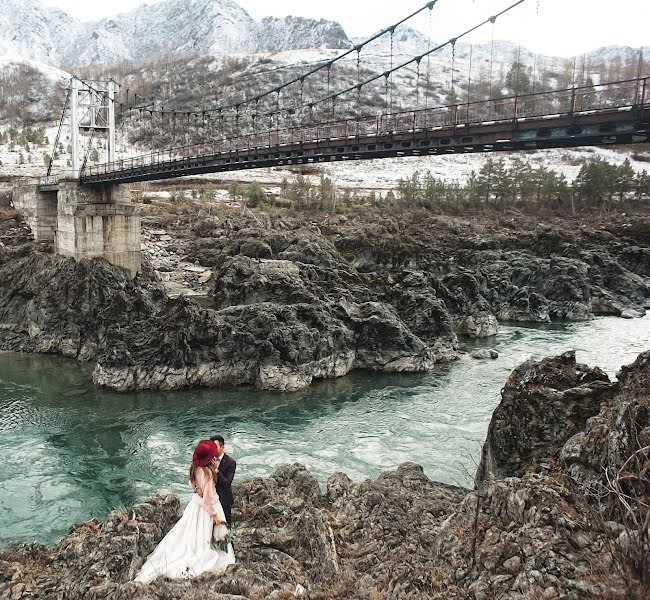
(543, 404)
(53, 304)
(613, 449)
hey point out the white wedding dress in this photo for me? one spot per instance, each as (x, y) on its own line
(185, 551)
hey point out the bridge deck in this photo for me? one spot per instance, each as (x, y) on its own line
(616, 113)
(562, 132)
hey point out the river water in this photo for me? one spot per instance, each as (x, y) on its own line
(70, 452)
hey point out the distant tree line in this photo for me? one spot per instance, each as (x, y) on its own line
(24, 137)
(499, 186)
(600, 185)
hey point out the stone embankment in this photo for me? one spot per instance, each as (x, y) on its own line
(558, 511)
(291, 301)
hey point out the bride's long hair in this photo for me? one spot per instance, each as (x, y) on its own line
(209, 470)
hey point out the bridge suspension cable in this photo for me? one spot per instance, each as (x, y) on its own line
(327, 65)
(451, 42)
(333, 96)
(58, 133)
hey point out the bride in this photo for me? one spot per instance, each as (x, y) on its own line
(186, 551)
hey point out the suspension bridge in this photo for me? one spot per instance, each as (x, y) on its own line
(283, 125)
(313, 118)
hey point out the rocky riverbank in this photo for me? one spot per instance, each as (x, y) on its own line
(289, 301)
(559, 511)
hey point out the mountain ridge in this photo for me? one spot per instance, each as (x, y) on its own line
(176, 28)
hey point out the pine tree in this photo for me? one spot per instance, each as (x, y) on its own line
(596, 181)
(255, 195)
(521, 177)
(473, 190)
(326, 193)
(485, 180)
(518, 79)
(624, 179)
(642, 185)
(502, 182)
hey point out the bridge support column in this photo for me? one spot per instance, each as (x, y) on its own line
(38, 208)
(98, 222)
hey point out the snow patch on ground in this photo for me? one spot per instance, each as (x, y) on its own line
(384, 174)
(10, 59)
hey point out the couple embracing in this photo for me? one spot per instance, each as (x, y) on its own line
(199, 542)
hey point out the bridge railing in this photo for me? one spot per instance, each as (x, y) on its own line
(620, 95)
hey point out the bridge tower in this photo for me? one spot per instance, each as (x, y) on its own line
(84, 222)
(92, 116)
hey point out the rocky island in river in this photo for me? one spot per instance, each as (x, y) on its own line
(293, 300)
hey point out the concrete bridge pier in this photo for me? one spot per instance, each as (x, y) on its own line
(84, 222)
(38, 208)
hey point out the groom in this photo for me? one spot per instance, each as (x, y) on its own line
(226, 467)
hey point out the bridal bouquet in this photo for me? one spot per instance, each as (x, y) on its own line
(221, 537)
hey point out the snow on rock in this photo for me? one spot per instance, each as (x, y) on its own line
(405, 41)
(29, 30)
(293, 33)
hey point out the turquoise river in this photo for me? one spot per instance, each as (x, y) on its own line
(70, 452)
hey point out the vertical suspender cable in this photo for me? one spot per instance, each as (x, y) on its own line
(426, 93)
(490, 92)
(639, 73)
(358, 81)
(417, 85)
(389, 81)
(469, 79)
(453, 68)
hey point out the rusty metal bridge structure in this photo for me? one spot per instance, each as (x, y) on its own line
(265, 131)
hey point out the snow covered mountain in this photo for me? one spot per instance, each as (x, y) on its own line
(295, 33)
(405, 40)
(32, 31)
(174, 28)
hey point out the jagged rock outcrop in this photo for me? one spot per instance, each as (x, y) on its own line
(295, 33)
(423, 265)
(586, 441)
(13, 229)
(272, 346)
(615, 444)
(533, 276)
(140, 339)
(556, 414)
(290, 535)
(294, 301)
(543, 404)
(50, 304)
(528, 530)
(308, 268)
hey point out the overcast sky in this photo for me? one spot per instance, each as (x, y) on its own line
(556, 27)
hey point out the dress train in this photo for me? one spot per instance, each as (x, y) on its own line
(185, 551)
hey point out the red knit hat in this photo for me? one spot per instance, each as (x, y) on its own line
(204, 452)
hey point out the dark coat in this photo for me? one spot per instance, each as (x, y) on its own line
(225, 475)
